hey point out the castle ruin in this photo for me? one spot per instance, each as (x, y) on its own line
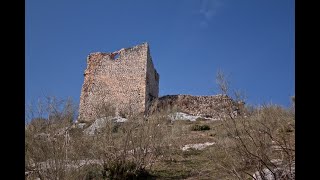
(215, 107)
(125, 79)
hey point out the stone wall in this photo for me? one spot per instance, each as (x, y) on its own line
(128, 81)
(152, 89)
(215, 107)
(118, 79)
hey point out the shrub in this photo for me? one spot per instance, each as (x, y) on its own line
(123, 170)
(198, 127)
(121, 151)
(259, 140)
(46, 145)
(129, 149)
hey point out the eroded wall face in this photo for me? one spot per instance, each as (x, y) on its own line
(152, 82)
(118, 81)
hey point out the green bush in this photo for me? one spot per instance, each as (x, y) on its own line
(124, 170)
(198, 127)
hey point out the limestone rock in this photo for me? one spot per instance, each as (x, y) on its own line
(199, 146)
(100, 123)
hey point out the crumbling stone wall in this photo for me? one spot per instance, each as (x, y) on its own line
(215, 107)
(152, 81)
(125, 79)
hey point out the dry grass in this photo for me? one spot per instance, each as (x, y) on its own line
(151, 147)
(268, 127)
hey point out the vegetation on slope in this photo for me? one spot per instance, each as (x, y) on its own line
(257, 142)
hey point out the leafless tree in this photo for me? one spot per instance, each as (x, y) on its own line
(259, 140)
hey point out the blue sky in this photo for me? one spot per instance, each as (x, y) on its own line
(252, 41)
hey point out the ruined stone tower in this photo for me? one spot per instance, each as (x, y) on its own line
(125, 79)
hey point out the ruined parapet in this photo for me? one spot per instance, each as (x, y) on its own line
(214, 107)
(125, 79)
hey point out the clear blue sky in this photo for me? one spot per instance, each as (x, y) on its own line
(250, 40)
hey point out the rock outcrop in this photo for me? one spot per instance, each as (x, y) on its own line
(214, 107)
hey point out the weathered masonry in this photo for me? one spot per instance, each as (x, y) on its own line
(215, 107)
(125, 79)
